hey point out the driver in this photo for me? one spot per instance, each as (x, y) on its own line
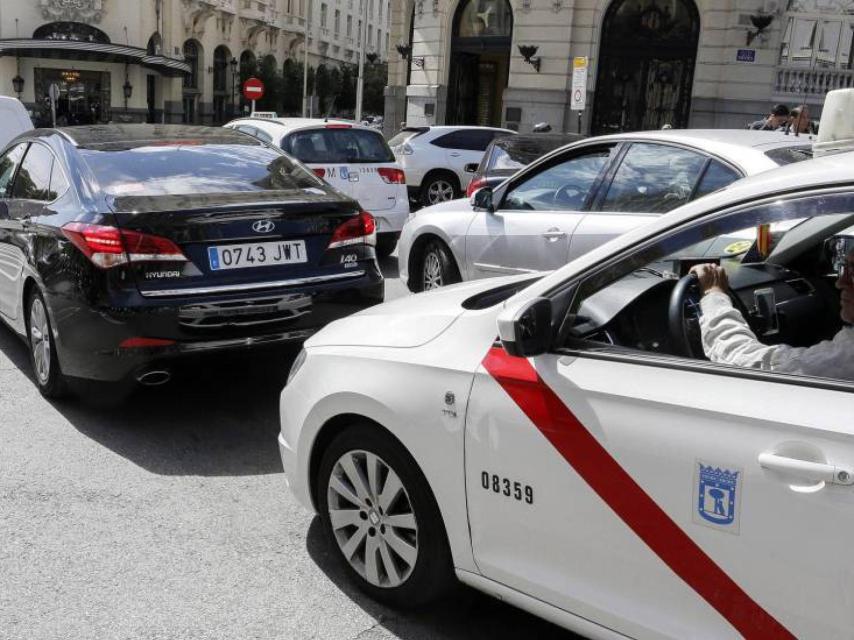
(727, 339)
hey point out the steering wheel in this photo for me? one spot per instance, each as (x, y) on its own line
(564, 195)
(683, 317)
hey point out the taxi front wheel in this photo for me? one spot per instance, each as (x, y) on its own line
(380, 515)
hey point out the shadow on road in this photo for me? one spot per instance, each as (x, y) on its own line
(466, 615)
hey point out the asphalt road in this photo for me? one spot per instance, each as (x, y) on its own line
(167, 517)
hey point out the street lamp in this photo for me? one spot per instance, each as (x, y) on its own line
(233, 64)
(127, 87)
(18, 85)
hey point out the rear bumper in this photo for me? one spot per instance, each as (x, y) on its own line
(89, 339)
(392, 220)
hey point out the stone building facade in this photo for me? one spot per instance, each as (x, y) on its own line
(164, 60)
(683, 63)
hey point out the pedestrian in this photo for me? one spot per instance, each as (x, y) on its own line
(799, 121)
(778, 117)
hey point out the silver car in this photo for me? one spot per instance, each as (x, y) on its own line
(576, 198)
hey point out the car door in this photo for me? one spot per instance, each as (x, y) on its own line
(38, 183)
(661, 496)
(651, 179)
(532, 226)
(10, 257)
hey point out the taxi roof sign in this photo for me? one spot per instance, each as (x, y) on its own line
(266, 115)
(836, 132)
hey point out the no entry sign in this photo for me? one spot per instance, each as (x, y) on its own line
(253, 89)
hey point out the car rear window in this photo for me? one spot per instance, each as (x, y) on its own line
(180, 169)
(516, 152)
(790, 155)
(406, 135)
(353, 146)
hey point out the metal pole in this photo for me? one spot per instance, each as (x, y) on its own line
(360, 84)
(305, 62)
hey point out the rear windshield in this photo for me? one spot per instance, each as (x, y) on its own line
(353, 146)
(790, 155)
(195, 169)
(516, 152)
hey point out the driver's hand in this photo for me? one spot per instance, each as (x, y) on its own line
(712, 278)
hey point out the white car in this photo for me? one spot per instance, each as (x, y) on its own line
(576, 198)
(435, 159)
(591, 466)
(14, 119)
(353, 158)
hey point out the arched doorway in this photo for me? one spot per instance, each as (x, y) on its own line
(192, 81)
(248, 68)
(646, 65)
(480, 61)
(222, 88)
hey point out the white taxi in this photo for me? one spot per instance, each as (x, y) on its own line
(353, 158)
(592, 465)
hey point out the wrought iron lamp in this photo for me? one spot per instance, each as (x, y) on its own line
(372, 57)
(529, 53)
(18, 85)
(405, 50)
(127, 88)
(760, 21)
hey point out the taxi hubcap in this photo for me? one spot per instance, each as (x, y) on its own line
(432, 271)
(372, 519)
(40, 340)
(440, 191)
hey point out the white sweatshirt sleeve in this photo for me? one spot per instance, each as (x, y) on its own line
(727, 339)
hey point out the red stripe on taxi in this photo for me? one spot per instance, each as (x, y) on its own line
(627, 499)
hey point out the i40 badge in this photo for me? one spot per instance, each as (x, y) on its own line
(717, 493)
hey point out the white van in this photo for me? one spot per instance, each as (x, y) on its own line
(14, 119)
(354, 159)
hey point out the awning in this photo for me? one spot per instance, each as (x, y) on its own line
(96, 51)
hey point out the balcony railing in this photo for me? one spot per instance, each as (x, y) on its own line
(812, 84)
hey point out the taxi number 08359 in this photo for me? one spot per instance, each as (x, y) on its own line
(258, 254)
(506, 487)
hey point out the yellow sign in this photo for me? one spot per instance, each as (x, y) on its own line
(579, 62)
(738, 247)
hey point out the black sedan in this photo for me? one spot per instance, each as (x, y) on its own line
(505, 156)
(124, 249)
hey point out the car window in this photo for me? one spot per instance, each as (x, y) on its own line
(256, 133)
(58, 181)
(790, 155)
(8, 163)
(196, 169)
(33, 180)
(353, 146)
(654, 178)
(467, 139)
(561, 186)
(717, 176)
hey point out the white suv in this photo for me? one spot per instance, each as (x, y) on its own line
(434, 159)
(353, 158)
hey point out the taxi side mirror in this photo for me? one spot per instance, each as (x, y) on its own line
(482, 199)
(526, 330)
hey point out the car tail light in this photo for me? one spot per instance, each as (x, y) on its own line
(474, 185)
(403, 150)
(320, 173)
(361, 229)
(392, 176)
(109, 247)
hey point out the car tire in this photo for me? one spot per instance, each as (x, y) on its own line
(436, 267)
(46, 370)
(439, 186)
(386, 245)
(404, 565)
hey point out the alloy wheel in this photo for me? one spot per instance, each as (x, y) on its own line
(40, 340)
(440, 191)
(432, 271)
(372, 519)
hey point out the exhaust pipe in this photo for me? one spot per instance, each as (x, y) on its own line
(154, 377)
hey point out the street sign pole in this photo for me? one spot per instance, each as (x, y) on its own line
(578, 96)
(305, 61)
(360, 84)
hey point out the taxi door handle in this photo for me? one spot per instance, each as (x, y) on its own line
(455, 155)
(554, 234)
(814, 471)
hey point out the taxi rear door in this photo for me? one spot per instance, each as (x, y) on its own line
(663, 502)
